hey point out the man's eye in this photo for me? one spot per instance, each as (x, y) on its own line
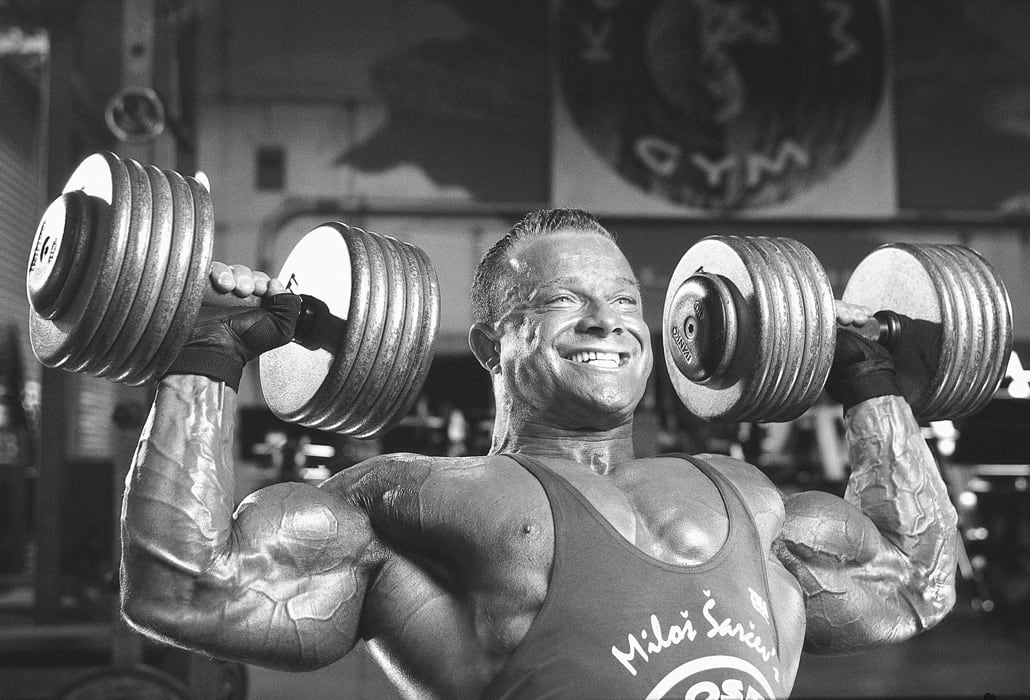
(562, 299)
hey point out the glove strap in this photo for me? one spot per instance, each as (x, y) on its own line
(208, 363)
(862, 382)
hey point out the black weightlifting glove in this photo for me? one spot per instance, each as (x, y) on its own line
(221, 346)
(862, 369)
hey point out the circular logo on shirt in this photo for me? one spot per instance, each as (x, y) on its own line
(713, 677)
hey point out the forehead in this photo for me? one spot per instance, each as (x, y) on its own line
(571, 254)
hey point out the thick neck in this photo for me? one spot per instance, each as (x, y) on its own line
(599, 450)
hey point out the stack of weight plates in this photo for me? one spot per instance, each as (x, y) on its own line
(117, 269)
(957, 336)
(785, 316)
(386, 293)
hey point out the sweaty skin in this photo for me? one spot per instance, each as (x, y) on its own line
(441, 564)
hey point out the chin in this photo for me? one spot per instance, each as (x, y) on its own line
(605, 415)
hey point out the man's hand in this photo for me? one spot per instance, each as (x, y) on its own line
(225, 339)
(849, 314)
(862, 369)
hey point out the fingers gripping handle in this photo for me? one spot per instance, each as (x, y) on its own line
(215, 299)
(317, 327)
(884, 327)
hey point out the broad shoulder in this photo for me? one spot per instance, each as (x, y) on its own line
(751, 481)
(402, 470)
(409, 488)
(760, 495)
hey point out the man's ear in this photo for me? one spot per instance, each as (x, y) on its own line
(485, 346)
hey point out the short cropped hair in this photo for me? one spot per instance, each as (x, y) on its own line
(490, 285)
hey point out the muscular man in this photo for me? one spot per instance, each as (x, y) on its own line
(559, 565)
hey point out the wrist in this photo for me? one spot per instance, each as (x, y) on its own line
(210, 363)
(861, 384)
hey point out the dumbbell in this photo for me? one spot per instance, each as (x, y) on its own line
(118, 272)
(749, 326)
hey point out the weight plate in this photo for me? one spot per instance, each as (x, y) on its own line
(985, 303)
(405, 328)
(966, 336)
(195, 279)
(367, 395)
(375, 325)
(768, 308)
(171, 195)
(415, 315)
(151, 282)
(771, 348)
(61, 341)
(813, 325)
(198, 277)
(999, 310)
(730, 397)
(60, 253)
(984, 373)
(415, 375)
(124, 275)
(984, 312)
(896, 276)
(323, 401)
(320, 265)
(820, 323)
(953, 333)
(789, 324)
(114, 338)
(362, 300)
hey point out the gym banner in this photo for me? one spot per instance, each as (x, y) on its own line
(704, 108)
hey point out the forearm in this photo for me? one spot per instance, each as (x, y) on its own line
(878, 567)
(896, 483)
(178, 505)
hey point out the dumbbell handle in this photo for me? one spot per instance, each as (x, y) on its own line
(317, 327)
(884, 327)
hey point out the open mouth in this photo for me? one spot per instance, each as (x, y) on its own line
(610, 360)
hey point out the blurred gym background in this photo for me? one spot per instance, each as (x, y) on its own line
(841, 123)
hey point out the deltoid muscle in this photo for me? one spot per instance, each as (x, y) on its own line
(881, 567)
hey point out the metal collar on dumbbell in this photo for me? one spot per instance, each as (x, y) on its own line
(60, 253)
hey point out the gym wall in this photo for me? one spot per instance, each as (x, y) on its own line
(21, 193)
(440, 123)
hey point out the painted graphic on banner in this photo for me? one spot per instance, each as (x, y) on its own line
(706, 106)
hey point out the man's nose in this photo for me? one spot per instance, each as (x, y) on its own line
(601, 318)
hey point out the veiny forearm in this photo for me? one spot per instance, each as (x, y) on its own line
(177, 512)
(878, 567)
(895, 481)
(280, 582)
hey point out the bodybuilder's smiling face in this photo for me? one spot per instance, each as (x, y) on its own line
(574, 348)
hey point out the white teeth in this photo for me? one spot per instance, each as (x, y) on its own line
(601, 359)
